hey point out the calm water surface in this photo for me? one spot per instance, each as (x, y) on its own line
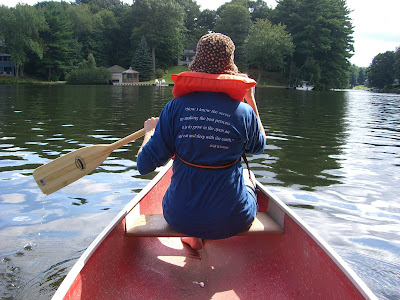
(333, 157)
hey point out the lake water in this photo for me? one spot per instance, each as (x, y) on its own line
(333, 157)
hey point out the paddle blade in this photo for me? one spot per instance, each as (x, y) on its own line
(70, 167)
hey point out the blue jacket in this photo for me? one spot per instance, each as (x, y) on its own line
(209, 129)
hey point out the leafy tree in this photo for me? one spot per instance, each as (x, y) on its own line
(90, 63)
(159, 21)
(84, 26)
(61, 48)
(322, 32)
(207, 21)
(235, 22)
(381, 71)
(20, 32)
(259, 10)
(105, 37)
(87, 73)
(361, 76)
(142, 62)
(268, 45)
(192, 14)
(115, 6)
(397, 63)
(353, 75)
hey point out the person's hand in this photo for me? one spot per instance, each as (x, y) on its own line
(150, 125)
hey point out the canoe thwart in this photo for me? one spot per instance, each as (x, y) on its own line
(156, 226)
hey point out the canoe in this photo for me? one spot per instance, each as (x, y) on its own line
(138, 256)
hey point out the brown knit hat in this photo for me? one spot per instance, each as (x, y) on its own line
(214, 55)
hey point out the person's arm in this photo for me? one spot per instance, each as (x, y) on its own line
(251, 100)
(149, 126)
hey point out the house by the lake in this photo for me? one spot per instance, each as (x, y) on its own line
(187, 55)
(120, 75)
(6, 65)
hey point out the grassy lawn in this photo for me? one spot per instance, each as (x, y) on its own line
(361, 87)
(23, 80)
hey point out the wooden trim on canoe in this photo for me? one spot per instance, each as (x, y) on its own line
(156, 226)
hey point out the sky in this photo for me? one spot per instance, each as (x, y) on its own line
(376, 25)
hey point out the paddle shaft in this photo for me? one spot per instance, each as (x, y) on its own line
(127, 139)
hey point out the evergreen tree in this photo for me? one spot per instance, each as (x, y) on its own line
(142, 62)
(61, 47)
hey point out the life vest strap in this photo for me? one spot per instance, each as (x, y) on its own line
(206, 167)
(218, 167)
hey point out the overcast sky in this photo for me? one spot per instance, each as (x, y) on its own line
(377, 25)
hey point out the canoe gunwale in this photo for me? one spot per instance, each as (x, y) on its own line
(78, 266)
(344, 267)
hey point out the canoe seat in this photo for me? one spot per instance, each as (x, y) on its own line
(156, 226)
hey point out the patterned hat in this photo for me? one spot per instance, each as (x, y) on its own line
(214, 55)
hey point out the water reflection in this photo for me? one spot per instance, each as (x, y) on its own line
(306, 133)
(333, 157)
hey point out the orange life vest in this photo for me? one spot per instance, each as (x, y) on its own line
(233, 85)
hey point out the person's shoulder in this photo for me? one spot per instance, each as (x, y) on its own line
(245, 107)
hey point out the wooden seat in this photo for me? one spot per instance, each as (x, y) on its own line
(156, 226)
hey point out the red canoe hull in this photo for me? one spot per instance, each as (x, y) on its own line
(294, 265)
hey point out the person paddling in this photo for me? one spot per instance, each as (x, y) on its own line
(207, 128)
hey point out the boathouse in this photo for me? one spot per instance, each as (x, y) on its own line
(116, 73)
(130, 76)
(6, 65)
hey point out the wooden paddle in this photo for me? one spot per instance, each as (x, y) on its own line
(70, 167)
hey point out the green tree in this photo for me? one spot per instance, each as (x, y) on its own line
(397, 63)
(381, 71)
(142, 62)
(87, 73)
(234, 21)
(268, 45)
(159, 21)
(192, 14)
(361, 76)
(105, 37)
(61, 49)
(88, 64)
(84, 26)
(115, 6)
(259, 10)
(322, 32)
(20, 32)
(353, 75)
(207, 21)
